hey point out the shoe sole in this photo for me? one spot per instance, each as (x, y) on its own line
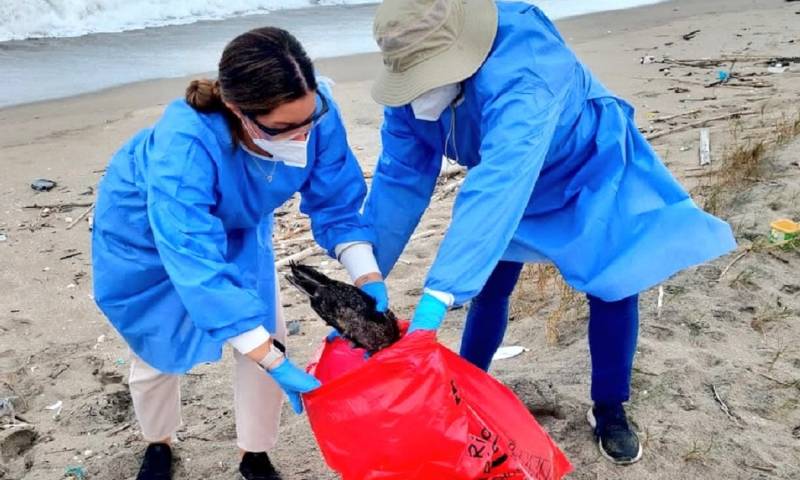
(593, 423)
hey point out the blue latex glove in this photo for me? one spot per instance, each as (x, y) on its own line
(429, 314)
(377, 290)
(293, 382)
(333, 335)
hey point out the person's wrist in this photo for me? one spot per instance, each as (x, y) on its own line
(368, 278)
(275, 364)
(273, 357)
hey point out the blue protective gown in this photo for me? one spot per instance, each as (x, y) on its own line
(182, 241)
(558, 172)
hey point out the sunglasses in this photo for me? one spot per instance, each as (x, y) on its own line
(310, 122)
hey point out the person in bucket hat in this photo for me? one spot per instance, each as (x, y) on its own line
(558, 172)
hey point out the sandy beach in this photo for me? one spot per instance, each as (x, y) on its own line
(717, 376)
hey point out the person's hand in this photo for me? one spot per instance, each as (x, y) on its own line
(429, 314)
(294, 382)
(377, 290)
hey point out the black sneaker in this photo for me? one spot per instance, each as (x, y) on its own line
(256, 466)
(157, 463)
(615, 438)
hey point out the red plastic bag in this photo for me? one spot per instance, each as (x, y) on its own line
(417, 411)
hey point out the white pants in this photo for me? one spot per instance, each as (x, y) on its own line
(257, 400)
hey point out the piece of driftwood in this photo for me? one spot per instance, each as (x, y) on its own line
(699, 123)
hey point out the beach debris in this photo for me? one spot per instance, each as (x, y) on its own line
(647, 59)
(119, 429)
(779, 68)
(691, 35)
(56, 407)
(70, 255)
(75, 472)
(735, 260)
(299, 256)
(58, 369)
(742, 81)
(700, 123)
(3, 237)
(504, 353)
(660, 303)
(6, 407)
(83, 215)
(119, 362)
(695, 63)
(704, 99)
(677, 115)
(705, 147)
(346, 308)
(293, 328)
(794, 384)
(723, 406)
(61, 207)
(101, 339)
(43, 185)
(761, 468)
(783, 231)
(679, 90)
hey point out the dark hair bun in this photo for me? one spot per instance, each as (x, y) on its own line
(204, 95)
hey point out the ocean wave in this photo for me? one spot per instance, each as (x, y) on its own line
(21, 19)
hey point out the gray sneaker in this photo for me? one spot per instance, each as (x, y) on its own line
(615, 438)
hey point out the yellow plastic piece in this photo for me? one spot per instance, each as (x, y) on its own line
(784, 230)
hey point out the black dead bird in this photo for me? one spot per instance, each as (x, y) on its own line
(346, 308)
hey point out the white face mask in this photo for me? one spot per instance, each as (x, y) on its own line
(430, 105)
(293, 153)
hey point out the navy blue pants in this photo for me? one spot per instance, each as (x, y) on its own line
(613, 333)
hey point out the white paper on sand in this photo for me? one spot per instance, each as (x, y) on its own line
(504, 353)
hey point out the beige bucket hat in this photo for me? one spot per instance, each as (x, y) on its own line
(430, 43)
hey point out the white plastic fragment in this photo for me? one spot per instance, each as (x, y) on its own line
(705, 147)
(504, 353)
(56, 407)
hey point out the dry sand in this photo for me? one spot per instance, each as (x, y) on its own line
(730, 327)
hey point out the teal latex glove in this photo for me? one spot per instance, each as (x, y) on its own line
(293, 382)
(377, 290)
(429, 314)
